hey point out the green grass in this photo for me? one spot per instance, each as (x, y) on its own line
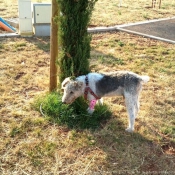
(1, 47)
(44, 46)
(37, 151)
(74, 116)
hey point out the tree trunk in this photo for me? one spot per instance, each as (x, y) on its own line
(54, 46)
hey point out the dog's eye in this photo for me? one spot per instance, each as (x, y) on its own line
(71, 92)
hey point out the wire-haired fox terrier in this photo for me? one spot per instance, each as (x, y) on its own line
(94, 86)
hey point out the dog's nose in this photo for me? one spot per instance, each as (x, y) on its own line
(63, 102)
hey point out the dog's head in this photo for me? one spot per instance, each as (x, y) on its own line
(72, 90)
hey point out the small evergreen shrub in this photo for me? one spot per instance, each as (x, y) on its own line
(74, 40)
(74, 115)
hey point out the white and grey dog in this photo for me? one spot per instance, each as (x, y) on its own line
(94, 86)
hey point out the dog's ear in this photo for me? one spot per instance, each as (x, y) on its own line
(66, 80)
(78, 85)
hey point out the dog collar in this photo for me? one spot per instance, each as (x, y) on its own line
(88, 89)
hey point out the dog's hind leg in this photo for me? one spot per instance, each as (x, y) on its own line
(137, 106)
(131, 102)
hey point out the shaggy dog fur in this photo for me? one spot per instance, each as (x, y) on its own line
(119, 83)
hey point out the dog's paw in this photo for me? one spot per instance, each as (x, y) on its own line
(100, 101)
(90, 111)
(130, 130)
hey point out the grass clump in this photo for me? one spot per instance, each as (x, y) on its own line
(36, 152)
(74, 115)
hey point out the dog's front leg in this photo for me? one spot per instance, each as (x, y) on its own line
(91, 106)
(100, 101)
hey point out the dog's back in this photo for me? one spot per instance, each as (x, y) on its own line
(119, 82)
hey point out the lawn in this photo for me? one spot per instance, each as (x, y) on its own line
(31, 144)
(107, 13)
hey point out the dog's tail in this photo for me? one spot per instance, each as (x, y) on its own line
(144, 78)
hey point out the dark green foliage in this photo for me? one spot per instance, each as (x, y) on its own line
(74, 42)
(74, 115)
(85, 120)
(73, 37)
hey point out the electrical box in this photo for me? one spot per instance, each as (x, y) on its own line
(25, 17)
(25, 9)
(25, 25)
(42, 13)
(42, 18)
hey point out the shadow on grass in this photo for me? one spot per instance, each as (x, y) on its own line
(42, 43)
(74, 116)
(131, 153)
(125, 153)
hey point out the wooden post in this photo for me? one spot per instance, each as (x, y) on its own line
(159, 4)
(53, 47)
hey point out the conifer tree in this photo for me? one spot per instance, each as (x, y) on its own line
(73, 38)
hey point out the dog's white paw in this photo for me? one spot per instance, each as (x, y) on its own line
(90, 111)
(100, 101)
(130, 130)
